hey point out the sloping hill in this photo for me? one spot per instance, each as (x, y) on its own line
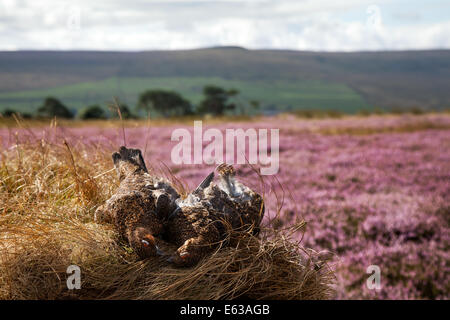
(279, 79)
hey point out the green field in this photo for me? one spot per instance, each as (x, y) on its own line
(280, 95)
(279, 79)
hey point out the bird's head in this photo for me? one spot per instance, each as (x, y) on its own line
(145, 243)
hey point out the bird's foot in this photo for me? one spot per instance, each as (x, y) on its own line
(180, 259)
(204, 184)
(227, 173)
(226, 170)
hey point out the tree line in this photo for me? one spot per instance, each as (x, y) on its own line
(216, 101)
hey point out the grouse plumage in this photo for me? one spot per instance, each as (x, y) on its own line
(204, 217)
(139, 206)
(147, 211)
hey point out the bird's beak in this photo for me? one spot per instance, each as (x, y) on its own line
(159, 252)
(174, 213)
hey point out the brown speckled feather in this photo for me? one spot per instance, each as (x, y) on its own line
(140, 204)
(202, 219)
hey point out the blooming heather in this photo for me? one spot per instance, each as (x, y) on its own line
(373, 191)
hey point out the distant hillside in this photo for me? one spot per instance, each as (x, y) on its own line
(278, 79)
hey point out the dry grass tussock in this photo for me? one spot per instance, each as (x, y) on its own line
(48, 195)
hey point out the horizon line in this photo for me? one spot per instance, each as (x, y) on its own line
(230, 47)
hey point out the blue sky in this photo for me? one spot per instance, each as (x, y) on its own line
(345, 25)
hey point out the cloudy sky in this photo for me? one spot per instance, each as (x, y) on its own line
(335, 25)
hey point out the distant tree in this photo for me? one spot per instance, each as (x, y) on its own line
(7, 113)
(216, 100)
(256, 105)
(93, 112)
(378, 110)
(232, 92)
(52, 107)
(165, 102)
(416, 110)
(124, 111)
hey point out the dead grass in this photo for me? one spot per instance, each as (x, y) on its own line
(11, 122)
(48, 195)
(404, 128)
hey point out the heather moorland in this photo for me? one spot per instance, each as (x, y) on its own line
(372, 190)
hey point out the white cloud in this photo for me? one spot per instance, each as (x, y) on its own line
(178, 24)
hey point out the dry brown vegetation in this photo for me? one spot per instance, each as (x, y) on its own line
(48, 195)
